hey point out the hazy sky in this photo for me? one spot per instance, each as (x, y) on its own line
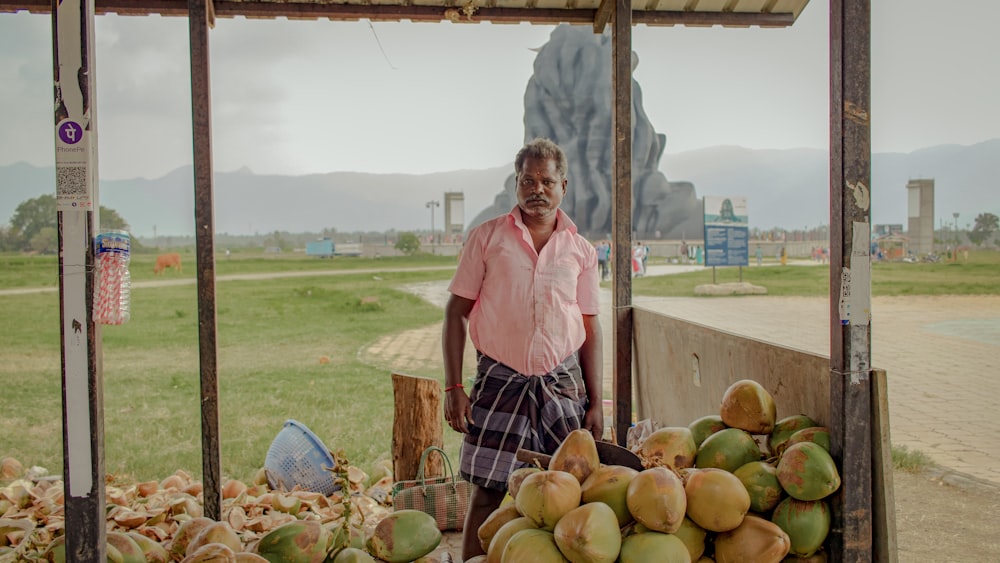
(293, 97)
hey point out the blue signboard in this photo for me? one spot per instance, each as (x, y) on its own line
(727, 231)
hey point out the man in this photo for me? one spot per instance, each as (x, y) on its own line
(527, 287)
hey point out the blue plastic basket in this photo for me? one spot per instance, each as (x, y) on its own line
(297, 457)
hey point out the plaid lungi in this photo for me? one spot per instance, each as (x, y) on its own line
(511, 411)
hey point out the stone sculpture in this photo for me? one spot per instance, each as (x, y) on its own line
(568, 99)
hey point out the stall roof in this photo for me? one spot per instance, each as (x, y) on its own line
(729, 13)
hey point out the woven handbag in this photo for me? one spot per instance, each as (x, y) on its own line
(445, 498)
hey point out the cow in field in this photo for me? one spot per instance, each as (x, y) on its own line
(164, 261)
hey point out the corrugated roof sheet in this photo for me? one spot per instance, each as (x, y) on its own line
(736, 13)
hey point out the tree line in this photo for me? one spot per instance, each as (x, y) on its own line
(34, 227)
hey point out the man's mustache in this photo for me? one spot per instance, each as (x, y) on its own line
(537, 198)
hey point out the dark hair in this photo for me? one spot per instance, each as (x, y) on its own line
(542, 149)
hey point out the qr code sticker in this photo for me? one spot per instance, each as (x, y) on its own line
(72, 181)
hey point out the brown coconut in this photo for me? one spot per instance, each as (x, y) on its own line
(672, 446)
(494, 521)
(609, 484)
(748, 406)
(755, 540)
(546, 496)
(576, 455)
(656, 499)
(716, 499)
(589, 533)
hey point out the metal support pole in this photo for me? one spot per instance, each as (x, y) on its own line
(850, 278)
(204, 216)
(621, 209)
(77, 202)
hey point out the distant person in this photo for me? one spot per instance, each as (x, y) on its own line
(683, 251)
(638, 260)
(527, 292)
(783, 257)
(760, 255)
(604, 259)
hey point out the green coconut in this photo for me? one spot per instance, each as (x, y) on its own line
(755, 540)
(761, 481)
(609, 484)
(748, 406)
(807, 524)
(589, 533)
(672, 446)
(403, 536)
(131, 552)
(728, 449)
(807, 472)
(353, 555)
(494, 553)
(693, 536)
(547, 495)
(716, 500)
(656, 498)
(783, 430)
(535, 545)
(653, 547)
(302, 541)
(704, 427)
(817, 434)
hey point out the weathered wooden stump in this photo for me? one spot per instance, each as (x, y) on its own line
(417, 425)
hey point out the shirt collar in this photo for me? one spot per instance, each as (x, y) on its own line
(563, 222)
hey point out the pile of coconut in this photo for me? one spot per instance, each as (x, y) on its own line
(709, 492)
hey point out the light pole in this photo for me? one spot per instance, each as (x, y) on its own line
(431, 205)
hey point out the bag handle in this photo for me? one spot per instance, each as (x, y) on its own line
(420, 468)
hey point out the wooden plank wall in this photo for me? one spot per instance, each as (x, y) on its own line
(682, 370)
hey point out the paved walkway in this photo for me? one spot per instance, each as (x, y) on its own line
(941, 353)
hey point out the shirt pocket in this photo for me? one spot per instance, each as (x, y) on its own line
(559, 279)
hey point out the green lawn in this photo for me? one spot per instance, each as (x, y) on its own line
(271, 335)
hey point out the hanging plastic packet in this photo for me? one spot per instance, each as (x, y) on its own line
(114, 282)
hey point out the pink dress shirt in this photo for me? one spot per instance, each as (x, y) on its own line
(529, 307)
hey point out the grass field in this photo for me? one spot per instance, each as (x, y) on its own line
(271, 334)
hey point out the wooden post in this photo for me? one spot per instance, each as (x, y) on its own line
(850, 278)
(621, 210)
(417, 424)
(199, 20)
(884, 496)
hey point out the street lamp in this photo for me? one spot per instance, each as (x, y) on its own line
(431, 205)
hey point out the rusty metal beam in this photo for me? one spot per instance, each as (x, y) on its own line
(621, 215)
(204, 216)
(350, 12)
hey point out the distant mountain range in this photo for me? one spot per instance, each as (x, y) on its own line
(784, 188)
